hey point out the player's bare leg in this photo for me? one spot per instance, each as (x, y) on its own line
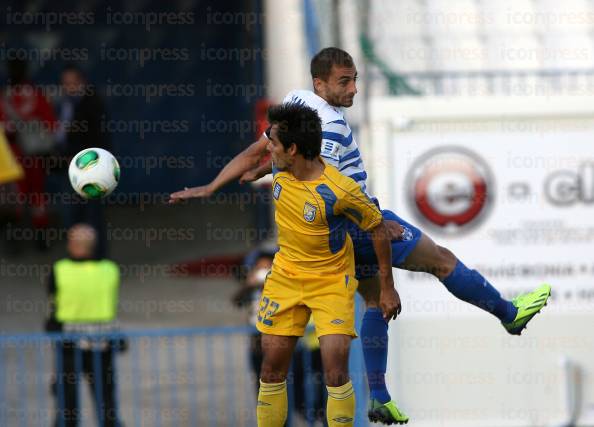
(369, 289)
(340, 409)
(272, 397)
(277, 352)
(430, 258)
(465, 284)
(470, 286)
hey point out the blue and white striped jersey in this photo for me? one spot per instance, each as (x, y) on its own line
(339, 148)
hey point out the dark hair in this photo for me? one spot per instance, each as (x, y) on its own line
(17, 70)
(73, 68)
(299, 125)
(321, 64)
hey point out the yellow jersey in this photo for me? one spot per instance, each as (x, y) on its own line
(312, 216)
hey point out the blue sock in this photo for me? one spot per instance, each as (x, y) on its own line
(470, 286)
(374, 339)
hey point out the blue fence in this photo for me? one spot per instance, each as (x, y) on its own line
(176, 377)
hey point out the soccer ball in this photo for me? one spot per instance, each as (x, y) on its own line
(94, 173)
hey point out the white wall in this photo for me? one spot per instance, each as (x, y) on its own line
(451, 364)
(287, 60)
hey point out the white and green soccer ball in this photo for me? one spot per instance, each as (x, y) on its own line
(94, 173)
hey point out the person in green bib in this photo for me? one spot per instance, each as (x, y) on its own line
(84, 297)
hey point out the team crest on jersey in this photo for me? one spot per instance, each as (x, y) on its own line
(309, 212)
(277, 190)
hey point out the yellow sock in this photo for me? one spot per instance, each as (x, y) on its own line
(272, 404)
(340, 408)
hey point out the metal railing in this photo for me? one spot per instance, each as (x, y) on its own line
(175, 377)
(498, 82)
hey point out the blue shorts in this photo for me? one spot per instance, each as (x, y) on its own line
(365, 259)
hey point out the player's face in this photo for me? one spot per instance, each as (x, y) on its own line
(72, 83)
(340, 88)
(281, 158)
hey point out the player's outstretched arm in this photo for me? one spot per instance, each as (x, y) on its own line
(389, 298)
(240, 164)
(256, 173)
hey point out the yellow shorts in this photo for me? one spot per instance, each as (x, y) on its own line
(288, 300)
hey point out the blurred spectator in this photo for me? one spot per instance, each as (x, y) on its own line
(29, 123)
(248, 296)
(84, 298)
(10, 171)
(80, 111)
(306, 370)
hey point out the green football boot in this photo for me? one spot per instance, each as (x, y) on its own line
(528, 305)
(387, 413)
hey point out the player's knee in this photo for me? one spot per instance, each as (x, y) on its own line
(272, 373)
(336, 377)
(273, 370)
(372, 303)
(446, 262)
